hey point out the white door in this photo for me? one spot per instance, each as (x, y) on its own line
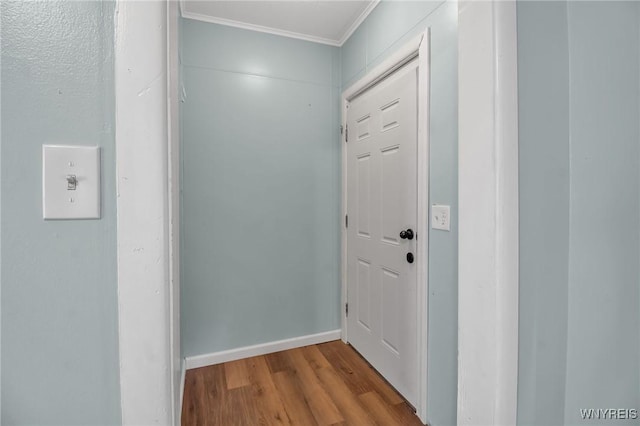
(382, 204)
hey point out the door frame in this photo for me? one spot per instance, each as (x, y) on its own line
(146, 174)
(418, 48)
(488, 239)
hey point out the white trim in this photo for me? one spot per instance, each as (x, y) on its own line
(173, 181)
(0, 242)
(400, 57)
(259, 28)
(418, 47)
(488, 214)
(260, 349)
(354, 26)
(279, 32)
(142, 212)
(344, 295)
(508, 241)
(422, 240)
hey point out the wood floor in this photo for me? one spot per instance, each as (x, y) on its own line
(327, 384)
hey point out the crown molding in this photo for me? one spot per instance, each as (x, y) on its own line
(259, 28)
(352, 29)
(276, 31)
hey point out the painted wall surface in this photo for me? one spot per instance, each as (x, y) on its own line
(388, 27)
(543, 92)
(59, 307)
(260, 188)
(261, 150)
(579, 209)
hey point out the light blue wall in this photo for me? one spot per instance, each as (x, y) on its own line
(604, 280)
(388, 27)
(261, 150)
(579, 88)
(260, 188)
(543, 92)
(58, 282)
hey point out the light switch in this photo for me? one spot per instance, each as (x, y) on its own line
(440, 217)
(70, 182)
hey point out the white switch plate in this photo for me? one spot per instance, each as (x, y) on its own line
(440, 217)
(60, 162)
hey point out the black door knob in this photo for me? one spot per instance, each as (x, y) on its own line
(410, 257)
(406, 235)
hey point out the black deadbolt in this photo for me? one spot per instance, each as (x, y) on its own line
(406, 235)
(410, 257)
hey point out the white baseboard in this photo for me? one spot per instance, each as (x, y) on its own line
(261, 349)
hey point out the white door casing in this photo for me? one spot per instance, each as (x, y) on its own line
(147, 391)
(487, 213)
(382, 203)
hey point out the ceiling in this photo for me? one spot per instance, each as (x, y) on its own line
(327, 22)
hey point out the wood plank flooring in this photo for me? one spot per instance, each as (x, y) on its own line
(327, 384)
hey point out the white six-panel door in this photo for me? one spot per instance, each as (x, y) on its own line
(382, 202)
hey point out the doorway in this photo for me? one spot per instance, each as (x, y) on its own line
(385, 237)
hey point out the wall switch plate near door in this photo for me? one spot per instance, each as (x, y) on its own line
(440, 217)
(70, 182)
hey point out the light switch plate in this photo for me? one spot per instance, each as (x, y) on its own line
(440, 217)
(63, 169)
